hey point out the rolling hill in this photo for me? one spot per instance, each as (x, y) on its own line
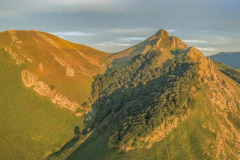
(55, 62)
(43, 82)
(31, 127)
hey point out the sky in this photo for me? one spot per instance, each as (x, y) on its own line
(114, 25)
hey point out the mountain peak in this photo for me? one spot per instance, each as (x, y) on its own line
(162, 32)
(161, 41)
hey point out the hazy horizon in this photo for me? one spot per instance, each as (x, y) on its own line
(113, 26)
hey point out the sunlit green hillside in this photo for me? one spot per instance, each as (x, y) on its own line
(31, 127)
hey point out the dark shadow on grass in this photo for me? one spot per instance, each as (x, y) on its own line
(69, 144)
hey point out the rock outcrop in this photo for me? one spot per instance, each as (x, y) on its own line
(224, 99)
(177, 43)
(163, 130)
(14, 48)
(31, 80)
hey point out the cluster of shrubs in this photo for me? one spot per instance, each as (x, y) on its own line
(136, 99)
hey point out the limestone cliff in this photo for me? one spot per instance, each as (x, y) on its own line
(31, 80)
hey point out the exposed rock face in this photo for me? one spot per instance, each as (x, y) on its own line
(31, 80)
(162, 33)
(14, 55)
(162, 131)
(41, 69)
(70, 72)
(206, 66)
(79, 114)
(56, 61)
(224, 99)
(164, 36)
(161, 41)
(72, 69)
(177, 43)
(14, 48)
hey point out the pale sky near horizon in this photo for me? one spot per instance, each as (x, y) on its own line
(113, 25)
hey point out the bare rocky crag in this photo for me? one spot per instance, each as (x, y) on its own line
(224, 97)
(31, 80)
(14, 49)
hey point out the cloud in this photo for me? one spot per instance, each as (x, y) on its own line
(122, 42)
(207, 49)
(112, 19)
(114, 44)
(221, 37)
(72, 34)
(138, 31)
(132, 39)
(142, 32)
(171, 30)
(15, 7)
(194, 41)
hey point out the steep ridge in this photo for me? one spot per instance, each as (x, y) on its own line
(164, 101)
(61, 70)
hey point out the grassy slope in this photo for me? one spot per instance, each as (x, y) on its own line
(229, 71)
(38, 46)
(190, 140)
(31, 127)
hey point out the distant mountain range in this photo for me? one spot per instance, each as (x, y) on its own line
(229, 58)
(158, 99)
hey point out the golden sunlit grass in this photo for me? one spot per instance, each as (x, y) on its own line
(40, 47)
(31, 127)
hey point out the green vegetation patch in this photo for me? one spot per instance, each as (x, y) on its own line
(31, 127)
(137, 98)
